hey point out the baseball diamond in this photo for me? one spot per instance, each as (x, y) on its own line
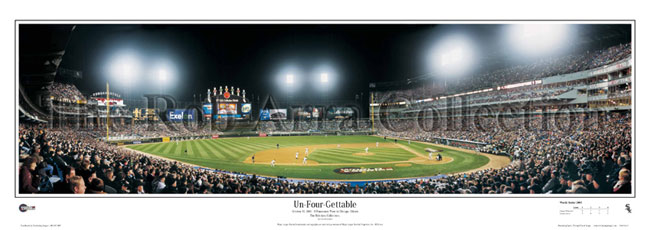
(326, 154)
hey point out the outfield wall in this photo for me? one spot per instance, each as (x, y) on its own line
(237, 134)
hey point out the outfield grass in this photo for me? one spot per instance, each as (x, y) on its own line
(346, 155)
(229, 154)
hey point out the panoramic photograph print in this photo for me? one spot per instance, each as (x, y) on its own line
(523, 108)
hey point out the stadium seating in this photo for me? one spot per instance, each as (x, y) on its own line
(588, 152)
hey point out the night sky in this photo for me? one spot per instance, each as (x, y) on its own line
(252, 57)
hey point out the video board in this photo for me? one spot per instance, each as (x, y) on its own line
(273, 114)
(229, 104)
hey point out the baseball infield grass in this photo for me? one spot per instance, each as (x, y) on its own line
(326, 156)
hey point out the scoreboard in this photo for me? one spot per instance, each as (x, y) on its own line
(227, 105)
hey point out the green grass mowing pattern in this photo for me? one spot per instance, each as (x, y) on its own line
(228, 154)
(346, 155)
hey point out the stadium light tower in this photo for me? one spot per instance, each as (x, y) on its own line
(125, 68)
(538, 39)
(453, 55)
(324, 78)
(162, 75)
(163, 71)
(290, 79)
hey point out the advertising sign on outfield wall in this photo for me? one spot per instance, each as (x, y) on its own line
(207, 109)
(179, 115)
(273, 114)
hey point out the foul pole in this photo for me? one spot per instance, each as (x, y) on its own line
(372, 111)
(108, 111)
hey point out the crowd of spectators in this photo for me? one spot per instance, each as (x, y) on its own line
(545, 68)
(516, 74)
(502, 96)
(83, 164)
(144, 130)
(607, 56)
(592, 158)
(587, 154)
(314, 126)
(70, 109)
(65, 92)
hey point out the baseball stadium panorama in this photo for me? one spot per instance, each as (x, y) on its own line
(325, 109)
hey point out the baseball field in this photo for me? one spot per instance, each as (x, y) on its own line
(324, 157)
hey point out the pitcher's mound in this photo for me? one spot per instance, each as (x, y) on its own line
(364, 154)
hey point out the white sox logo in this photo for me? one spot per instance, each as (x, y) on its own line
(361, 170)
(25, 208)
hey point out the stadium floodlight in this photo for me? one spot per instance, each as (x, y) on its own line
(163, 71)
(324, 77)
(453, 55)
(290, 79)
(125, 68)
(538, 39)
(162, 75)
